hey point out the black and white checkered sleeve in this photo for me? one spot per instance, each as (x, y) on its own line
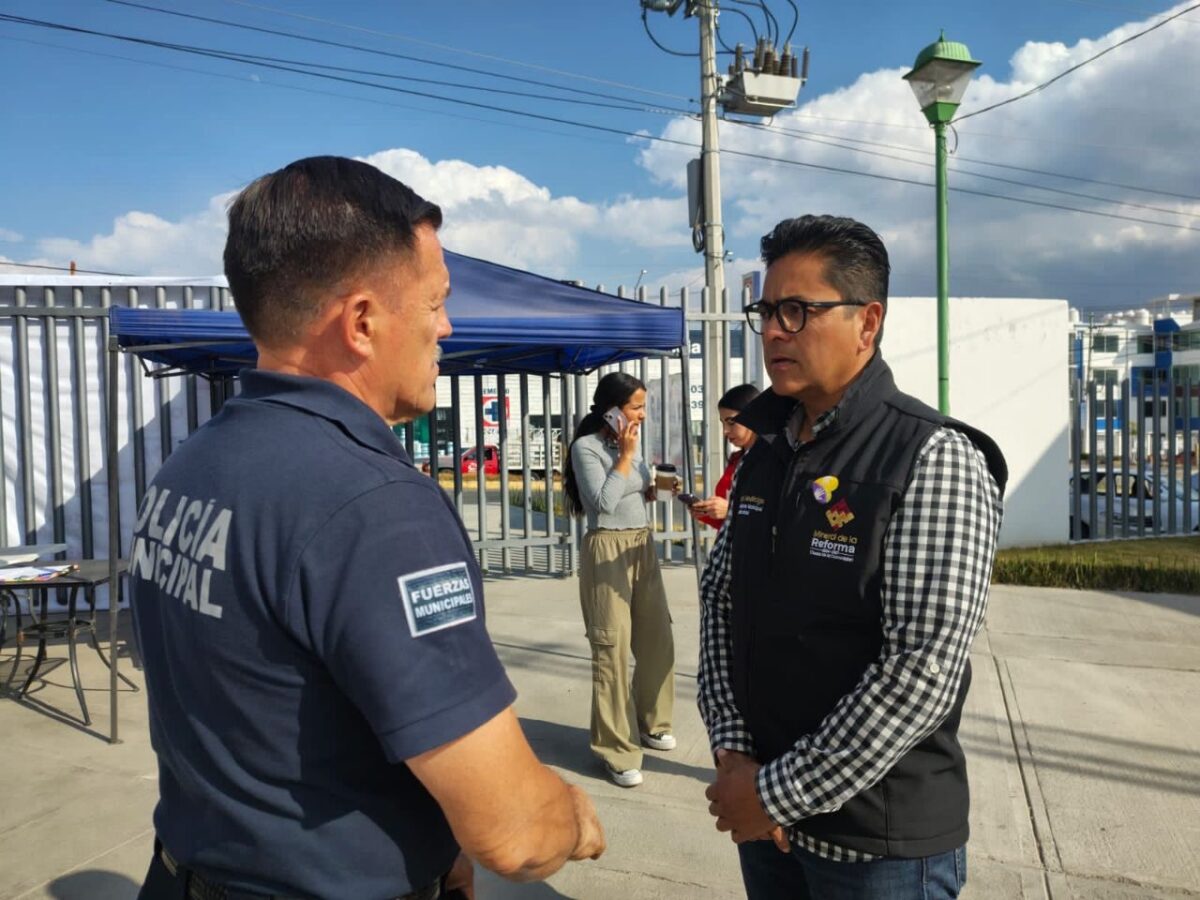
(718, 710)
(937, 557)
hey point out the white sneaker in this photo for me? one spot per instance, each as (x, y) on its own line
(623, 777)
(663, 740)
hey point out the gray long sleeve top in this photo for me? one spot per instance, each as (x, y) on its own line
(610, 499)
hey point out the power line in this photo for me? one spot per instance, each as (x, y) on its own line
(72, 270)
(556, 87)
(631, 105)
(1003, 136)
(436, 46)
(597, 127)
(360, 49)
(721, 41)
(635, 106)
(958, 190)
(659, 44)
(304, 90)
(294, 67)
(1125, 7)
(490, 74)
(795, 20)
(996, 178)
(772, 23)
(980, 162)
(749, 21)
(305, 68)
(1080, 65)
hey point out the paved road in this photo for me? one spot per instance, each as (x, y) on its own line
(1082, 732)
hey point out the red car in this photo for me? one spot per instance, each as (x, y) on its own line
(491, 460)
(467, 463)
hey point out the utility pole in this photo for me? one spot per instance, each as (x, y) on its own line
(714, 243)
(761, 85)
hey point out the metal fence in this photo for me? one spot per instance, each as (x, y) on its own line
(1134, 457)
(515, 519)
(53, 415)
(53, 419)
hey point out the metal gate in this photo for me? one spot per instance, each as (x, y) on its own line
(53, 390)
(1134, 457)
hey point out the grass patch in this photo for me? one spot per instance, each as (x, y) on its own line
(537, 500)
(1156, 565)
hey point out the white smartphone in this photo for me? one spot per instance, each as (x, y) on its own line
(616, 419)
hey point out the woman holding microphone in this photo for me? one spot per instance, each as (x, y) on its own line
(620, 585)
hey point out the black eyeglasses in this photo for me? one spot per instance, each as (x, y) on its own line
(791, 312)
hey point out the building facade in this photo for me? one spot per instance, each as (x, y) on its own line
(1156, 350)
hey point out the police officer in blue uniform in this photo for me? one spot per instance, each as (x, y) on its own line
(330, 718)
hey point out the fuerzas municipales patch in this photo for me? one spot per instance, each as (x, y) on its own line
(437, 598)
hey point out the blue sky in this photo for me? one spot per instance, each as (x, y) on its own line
(124, 164)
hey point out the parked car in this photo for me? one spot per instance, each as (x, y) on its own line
(1133, 494)
(468, 461)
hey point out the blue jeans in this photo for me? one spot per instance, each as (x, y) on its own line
(771, 875)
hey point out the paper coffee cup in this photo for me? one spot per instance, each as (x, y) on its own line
(664, 476)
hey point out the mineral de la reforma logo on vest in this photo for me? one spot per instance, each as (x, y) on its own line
(835, 544)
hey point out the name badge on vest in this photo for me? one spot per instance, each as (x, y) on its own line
(437, 598)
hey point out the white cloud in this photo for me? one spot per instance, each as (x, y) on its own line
(143, 243)
(496, 213)
(491, 212)
(648, 222)
(8, 236)
(1097, 123)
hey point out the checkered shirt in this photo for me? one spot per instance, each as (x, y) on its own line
(937, 558)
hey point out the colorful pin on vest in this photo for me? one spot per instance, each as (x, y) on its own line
(824, 487)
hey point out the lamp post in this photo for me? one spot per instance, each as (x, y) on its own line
(939, 78)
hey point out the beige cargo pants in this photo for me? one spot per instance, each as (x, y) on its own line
(625, 609)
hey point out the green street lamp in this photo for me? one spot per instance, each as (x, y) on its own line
(939, 78)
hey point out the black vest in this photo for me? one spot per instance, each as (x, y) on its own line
(807, 570)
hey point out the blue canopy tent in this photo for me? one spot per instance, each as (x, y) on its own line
(505, 321)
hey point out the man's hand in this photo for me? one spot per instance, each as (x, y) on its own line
(735, 804)
(460, 880)
(522, 834)
(591, 834)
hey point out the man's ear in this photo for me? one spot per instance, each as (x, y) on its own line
(872, 322)
(358, 322)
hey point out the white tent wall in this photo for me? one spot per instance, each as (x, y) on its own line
(48, 484)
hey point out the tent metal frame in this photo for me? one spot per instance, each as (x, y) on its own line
(115, 350)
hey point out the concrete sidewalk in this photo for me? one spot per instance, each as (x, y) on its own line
(1082, 731)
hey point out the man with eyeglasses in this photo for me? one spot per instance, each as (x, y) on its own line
(841, 597)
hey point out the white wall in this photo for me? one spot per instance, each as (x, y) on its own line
(1008, 377)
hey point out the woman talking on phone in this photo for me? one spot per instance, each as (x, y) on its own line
(620, 584)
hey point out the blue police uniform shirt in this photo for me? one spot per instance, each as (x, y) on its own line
(310, 615)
